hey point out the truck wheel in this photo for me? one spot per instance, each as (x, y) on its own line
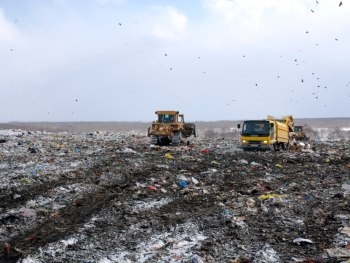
(275, 148)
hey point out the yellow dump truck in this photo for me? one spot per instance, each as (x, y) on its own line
(268, 134)
(170, 128)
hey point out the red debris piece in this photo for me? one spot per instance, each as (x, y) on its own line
(204, 151)
(152, 188)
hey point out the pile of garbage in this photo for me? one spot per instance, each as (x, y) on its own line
(111, 197)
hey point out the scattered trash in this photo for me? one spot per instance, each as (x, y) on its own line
(152, 188)
(196, 259)
(182, 184)
(299, 241)
(266, 254)
(194, 180)
(345, 187)
(205, 151)
(338, 252)
(128, 150)
(242, 161)
(33, 150)
(345, 230)
(169, 156)
(29, 212)
(269, 196)
(25, 180)
(255, 164)
(107, 197)
(77, 149)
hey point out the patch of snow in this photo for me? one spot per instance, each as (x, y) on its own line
(139, 206)
(11, 132)
(173, 246)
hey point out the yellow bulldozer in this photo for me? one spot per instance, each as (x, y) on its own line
(299, 133)
(170, 129)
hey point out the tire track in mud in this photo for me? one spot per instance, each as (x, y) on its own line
(29, 191)
(73, 216)
(53, 230)
(200, 209)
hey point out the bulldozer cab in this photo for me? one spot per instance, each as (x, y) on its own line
(169, 117)
(299, 133)
(166, 118)
(298, 128)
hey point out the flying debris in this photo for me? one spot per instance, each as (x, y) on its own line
(119, 24)
(165, 54)
(312, 11)
(341, 3)
(171, 68)
(307, 32)
(302, 80)
(336, 39)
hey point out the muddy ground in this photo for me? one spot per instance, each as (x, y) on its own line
(110, 197)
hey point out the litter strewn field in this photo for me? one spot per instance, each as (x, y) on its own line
(110, 197)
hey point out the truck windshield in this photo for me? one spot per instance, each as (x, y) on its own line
(259, 128)
(166, 118)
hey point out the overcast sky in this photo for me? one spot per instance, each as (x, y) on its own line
(121, 60)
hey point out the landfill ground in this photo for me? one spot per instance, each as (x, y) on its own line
(110, 197)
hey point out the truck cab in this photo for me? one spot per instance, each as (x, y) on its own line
(256, 135)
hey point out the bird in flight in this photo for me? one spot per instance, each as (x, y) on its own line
(341, 3)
